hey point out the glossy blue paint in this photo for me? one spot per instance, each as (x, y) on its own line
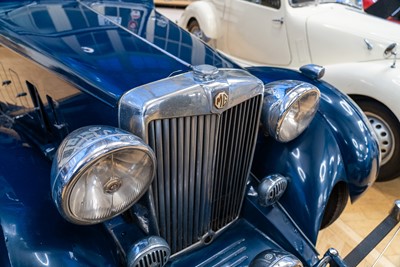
(348, 124)
(240, 244)
(309, 184)
(34, 232)
(270, 219)
(336, 147)
(104, 59)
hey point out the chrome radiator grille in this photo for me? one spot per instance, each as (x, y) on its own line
(203, 163)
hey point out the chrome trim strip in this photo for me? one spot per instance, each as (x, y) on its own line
(201, 242)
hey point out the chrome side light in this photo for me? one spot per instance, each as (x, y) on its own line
(99, 172)
(271, 189)
(289, 107)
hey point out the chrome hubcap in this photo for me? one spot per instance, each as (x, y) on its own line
(385, 136)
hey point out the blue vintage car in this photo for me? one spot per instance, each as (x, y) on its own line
(125, 141)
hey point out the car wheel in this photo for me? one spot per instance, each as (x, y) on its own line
(336, 204)
(387, 130)
(194, 28)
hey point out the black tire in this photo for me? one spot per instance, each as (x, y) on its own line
(194, 28)
(387, 130)
(336, 204)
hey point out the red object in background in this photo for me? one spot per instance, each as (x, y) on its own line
(387, 9)
(394, 19)
(368, 3)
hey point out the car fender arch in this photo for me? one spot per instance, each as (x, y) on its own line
(338, 143)
(310, 185)
(205, 14)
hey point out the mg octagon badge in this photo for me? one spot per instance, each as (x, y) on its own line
(220, 100)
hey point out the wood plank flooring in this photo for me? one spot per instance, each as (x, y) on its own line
(358, 220)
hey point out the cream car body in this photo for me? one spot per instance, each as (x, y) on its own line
(349, 43)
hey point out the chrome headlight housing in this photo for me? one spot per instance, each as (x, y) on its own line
(289, 107)
(99, 172)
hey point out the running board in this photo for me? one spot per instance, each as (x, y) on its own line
(367, 244)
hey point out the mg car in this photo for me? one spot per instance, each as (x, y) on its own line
(126, 141)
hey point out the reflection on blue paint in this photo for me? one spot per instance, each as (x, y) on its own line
(296, 153)
(322, 171)
(301, 173)
(42, 258)
(346, 107)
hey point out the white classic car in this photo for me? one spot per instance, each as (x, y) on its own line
(357, 50)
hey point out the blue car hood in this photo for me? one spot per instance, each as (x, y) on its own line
(105, 48)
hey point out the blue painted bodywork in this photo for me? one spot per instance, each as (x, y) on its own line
(343, 151)
(108, 69)
(34, 232)
(103, 61)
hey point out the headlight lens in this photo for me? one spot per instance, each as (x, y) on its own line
(289, 107)
(99, 172)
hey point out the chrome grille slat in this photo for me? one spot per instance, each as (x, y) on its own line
(181, 185)
(192, 157)
(199, 150)
(203, 163)
(186, 192)
(172, 129)
(167, 180)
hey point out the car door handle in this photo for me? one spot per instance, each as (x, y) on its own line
(280, 20)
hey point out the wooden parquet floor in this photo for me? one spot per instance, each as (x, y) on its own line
(359, 219)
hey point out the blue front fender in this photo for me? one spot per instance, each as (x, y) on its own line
(34, 232)
(337, 146)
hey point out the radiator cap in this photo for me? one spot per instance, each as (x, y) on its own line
(205, 73)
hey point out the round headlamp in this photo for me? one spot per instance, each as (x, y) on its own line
(289, 107)
(99, 172)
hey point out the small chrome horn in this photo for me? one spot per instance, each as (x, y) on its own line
(151, 251)
(271, 189)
